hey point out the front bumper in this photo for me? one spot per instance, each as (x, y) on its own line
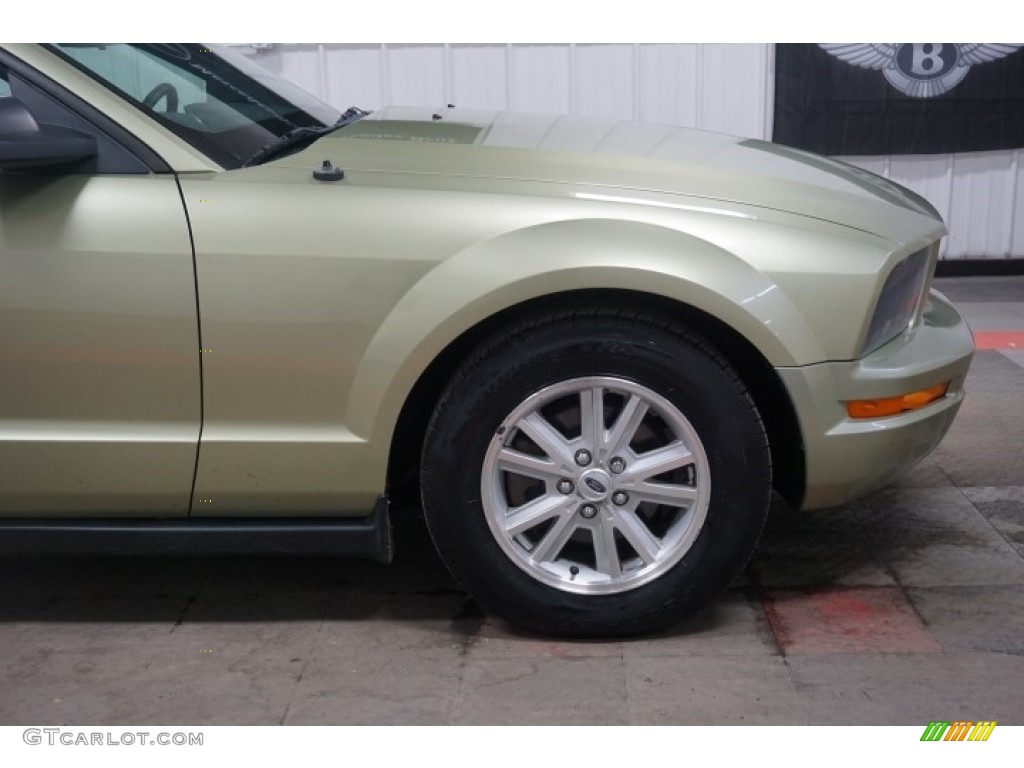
(845, 457)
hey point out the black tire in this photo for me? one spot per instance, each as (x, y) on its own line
(569, 345)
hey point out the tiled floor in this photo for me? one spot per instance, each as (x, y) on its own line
(902, 608)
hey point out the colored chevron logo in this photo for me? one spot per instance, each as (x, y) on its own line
(959, 730)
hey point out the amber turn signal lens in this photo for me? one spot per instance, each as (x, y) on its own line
(890, 406)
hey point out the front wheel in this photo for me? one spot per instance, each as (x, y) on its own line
(595, 474)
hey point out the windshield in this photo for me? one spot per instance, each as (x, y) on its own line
(216, 99)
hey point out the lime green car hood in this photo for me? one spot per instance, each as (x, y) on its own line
(607, 153)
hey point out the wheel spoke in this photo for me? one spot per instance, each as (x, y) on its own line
(668, 457)
(592, 418)
(510, 460)
(638, 535)
(605, 552)
(535, 512)
(664, 493)
(547, 438)
(626, 424)
(549, 546)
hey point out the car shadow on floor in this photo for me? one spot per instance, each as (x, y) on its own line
(797, 551)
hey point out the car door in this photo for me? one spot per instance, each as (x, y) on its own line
(100, 401)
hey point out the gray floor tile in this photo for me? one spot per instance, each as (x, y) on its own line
(1003, 507)
(802, 560)
(936, 537)
(403, 625)
(377, 689)
(926, 474)
(565, 691)
(909, 689)
(275, 625)
(83, 623)
(983, 447)
(982, 288)
(818, 548)
(41, 685)
(891, 512)
(985, 618)
(217, 690)
(148, 686)
(712, 690)
(930, 559)
(979, 496)
(993, 315)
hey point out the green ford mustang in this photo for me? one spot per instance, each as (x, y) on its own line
(233, 319)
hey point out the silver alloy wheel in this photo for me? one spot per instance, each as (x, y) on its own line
(642, 451)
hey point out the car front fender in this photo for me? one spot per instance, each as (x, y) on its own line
(552, 258)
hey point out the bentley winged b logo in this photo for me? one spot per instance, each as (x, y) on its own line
(921, 70)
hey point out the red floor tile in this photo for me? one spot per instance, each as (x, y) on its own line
(999, 339)
(846, 620)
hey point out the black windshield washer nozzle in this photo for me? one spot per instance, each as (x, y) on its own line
(328, 171)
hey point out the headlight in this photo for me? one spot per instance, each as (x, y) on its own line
(899, 301)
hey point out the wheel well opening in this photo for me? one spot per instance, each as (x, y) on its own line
(765, 387)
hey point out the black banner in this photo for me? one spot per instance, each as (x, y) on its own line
(899, 98)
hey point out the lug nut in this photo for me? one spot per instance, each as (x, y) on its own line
(588, 510)
(619, 498)
(617, 464)
(565, 486)
(583, 457)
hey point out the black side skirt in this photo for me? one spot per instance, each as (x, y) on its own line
(366, 537)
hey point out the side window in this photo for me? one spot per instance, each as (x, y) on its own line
(20, 82)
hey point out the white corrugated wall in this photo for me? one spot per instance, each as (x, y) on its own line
(715, 86)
